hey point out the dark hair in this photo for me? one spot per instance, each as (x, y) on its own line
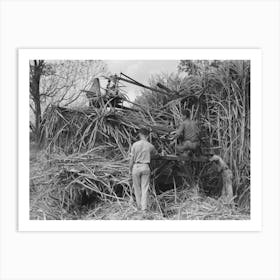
(143, 131)
(186, 113)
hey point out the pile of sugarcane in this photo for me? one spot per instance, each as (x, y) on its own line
(79, 179)
(89, 186)
(78, 129)
(69, 184)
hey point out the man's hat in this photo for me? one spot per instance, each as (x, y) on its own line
(143, 131)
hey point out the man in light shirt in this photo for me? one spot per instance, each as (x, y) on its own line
(141, 154)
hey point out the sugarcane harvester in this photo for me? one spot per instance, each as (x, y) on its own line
(114, 99)
(187, 153)
(190, 150)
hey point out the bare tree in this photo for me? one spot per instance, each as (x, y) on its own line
(59, 83)
(36, 71)
(64, 86)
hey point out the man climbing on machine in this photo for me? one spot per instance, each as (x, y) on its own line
(190, 135)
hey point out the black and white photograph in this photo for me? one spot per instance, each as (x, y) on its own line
(139, 139)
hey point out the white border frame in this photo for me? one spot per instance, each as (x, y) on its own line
(254, 224)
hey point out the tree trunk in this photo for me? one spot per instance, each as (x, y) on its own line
(36, 72)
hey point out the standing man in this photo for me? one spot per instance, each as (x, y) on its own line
(141, 154)
(190, 132)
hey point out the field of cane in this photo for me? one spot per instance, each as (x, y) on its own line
(81, 169)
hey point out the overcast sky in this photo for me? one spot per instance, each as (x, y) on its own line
(140, 70)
